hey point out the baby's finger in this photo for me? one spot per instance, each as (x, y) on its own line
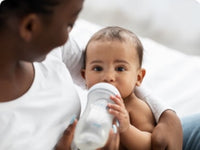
(118, 114)
(117, 99)
(114, 107)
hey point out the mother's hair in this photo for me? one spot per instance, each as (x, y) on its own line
(20, 8)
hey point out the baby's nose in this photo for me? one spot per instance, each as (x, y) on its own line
(109, 77)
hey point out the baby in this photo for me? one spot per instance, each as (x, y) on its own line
(114, 55)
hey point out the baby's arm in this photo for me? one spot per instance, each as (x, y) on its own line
(136, 135)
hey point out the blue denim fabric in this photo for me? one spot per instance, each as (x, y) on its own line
(191, 132)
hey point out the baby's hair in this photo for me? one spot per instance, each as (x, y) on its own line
(112, 33)
(20, 8)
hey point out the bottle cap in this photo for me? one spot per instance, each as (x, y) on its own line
(104, 86)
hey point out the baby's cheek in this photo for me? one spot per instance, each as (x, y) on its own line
(91, 83)
(127, 90)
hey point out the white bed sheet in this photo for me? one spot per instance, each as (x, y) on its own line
(172, 76)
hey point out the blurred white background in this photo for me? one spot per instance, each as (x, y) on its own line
(174, 23)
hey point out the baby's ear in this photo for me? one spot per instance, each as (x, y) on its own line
(140, 76)
(83, 73)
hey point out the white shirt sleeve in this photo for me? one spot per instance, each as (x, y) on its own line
(73, 50)
(154, 103)
(72, 56)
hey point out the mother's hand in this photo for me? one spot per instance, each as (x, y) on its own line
(113, 140)
(65, 141)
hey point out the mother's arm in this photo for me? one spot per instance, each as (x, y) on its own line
(168, 132)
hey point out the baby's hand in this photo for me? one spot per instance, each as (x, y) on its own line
(118, 109)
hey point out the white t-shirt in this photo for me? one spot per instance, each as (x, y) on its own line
(36, 120)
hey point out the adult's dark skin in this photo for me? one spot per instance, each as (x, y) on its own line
(29, 37)
(65, 142)
(170, 123)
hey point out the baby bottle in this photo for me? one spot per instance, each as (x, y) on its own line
(93, 128)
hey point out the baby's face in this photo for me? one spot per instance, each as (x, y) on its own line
(113, 62)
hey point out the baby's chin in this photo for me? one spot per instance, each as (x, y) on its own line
(128, 96)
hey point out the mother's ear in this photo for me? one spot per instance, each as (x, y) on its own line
(30, 25)
(140, 76)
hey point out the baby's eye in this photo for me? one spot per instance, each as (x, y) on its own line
(120, 69)
(97, 68)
